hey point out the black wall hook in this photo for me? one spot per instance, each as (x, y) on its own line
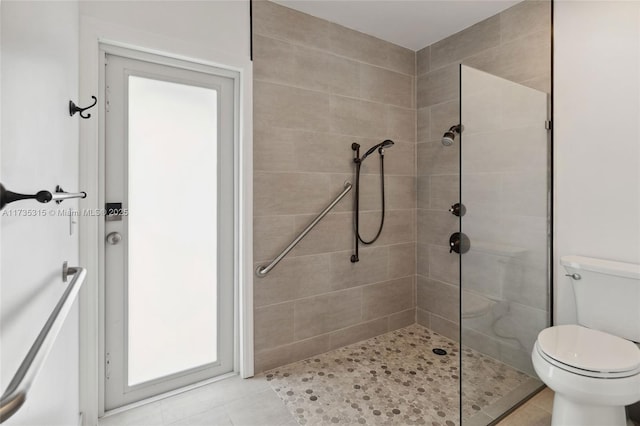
(73, 108)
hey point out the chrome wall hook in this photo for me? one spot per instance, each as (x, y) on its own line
(73, 108)
(59, 196)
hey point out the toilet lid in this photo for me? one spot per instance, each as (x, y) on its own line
(588, 349)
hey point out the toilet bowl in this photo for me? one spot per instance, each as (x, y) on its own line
(594, 366)
(594, 374)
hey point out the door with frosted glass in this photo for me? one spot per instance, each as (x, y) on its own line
(169, 238)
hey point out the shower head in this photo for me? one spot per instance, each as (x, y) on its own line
(450, 135)
(448, 138)
(380, 147)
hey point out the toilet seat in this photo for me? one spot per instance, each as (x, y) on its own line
(588, 352)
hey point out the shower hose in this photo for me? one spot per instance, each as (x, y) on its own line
(358, 237)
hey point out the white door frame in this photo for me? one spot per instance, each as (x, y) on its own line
(223, 83)
(94, 45)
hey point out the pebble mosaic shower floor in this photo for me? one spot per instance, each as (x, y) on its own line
(392, 379)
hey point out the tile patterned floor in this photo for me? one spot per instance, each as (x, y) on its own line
(394, 379)
(486, 382)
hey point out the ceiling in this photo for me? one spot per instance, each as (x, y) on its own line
(410, 23)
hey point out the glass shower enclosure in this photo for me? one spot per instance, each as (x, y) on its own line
(504, 241)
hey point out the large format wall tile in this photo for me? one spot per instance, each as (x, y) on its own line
(435, 158)
(423, 191)
(389, 87)
(359, 332)
(402, 319)
(422, 259)
(285, 63)
(332, 234)
(275, 232)
(365, 48)
(400, 192)
(328, 312)
(476, 38)
(279, 149)
(401, 124)
(292, 278)
(443, 265)
(443, 116)
(444, 191)
(524, 18)
(388, 297)
(290, 193)
(399, 226)
(399, 160)
(356, 117)
(402, 260)
(283, 23)
(372, 268)
(290, 107)
(273, 325)
(447, 328)
(344, 76)
(435, 226)
(423, 133)
(526, 57)
(439, 298)
(423, 60)
(281, 355)
(438, 86)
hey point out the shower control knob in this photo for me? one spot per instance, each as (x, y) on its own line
(459, 243)
(458, 209)
(114, 238)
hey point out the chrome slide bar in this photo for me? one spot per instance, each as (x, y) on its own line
(261, 271)
(16, 394)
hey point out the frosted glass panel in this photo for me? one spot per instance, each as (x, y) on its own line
(172, 247)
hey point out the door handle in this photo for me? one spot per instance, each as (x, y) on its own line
(114, 238)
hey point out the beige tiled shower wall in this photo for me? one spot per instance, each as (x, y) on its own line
(319, 87)
(516, 45)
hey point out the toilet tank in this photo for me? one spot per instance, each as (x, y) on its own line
(607, 295)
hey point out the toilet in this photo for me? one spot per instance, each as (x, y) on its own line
(594, 365)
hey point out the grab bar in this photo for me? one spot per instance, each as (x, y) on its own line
(16, 394)
(261, 271)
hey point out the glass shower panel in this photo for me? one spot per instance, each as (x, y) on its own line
(504, 186)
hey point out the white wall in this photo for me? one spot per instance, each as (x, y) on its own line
(209, 32)
(597, 146)
(39, 149)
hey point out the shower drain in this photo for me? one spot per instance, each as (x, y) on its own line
(439, 351)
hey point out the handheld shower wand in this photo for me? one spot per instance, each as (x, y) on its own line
(380, 147)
